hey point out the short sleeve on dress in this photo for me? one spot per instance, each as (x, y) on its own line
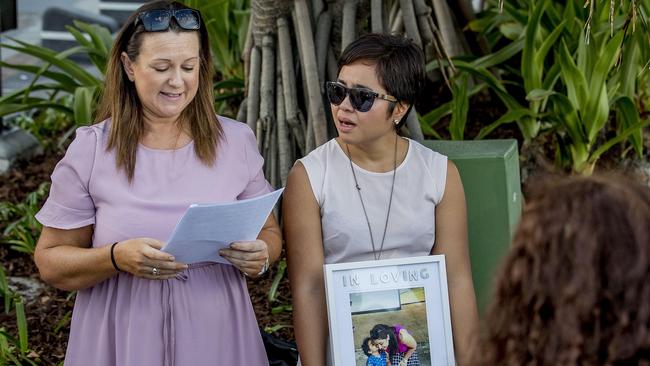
(257, 183)
(69, 205)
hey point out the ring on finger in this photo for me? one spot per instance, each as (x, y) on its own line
(155, 271)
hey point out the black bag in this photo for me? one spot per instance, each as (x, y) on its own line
(278, 351)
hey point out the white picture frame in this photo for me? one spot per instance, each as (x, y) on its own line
(412, 291)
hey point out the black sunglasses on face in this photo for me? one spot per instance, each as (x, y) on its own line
(158, 20)
(361, 99)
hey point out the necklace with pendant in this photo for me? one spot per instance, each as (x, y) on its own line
(390, 201)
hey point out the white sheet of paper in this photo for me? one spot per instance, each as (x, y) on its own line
(205, 229)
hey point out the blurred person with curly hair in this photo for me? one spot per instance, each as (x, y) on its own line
(575, 287)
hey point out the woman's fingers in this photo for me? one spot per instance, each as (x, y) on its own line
(152, 250)
(246, 250)
(249, 246)
(142, 257)
(251, 251)
(156, 272)
(243, 256)
(250, 267)
(249, 257)
(162, 267)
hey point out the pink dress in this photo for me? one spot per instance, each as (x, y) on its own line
(205, 316)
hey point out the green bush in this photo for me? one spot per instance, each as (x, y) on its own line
(22, 229)
(15, 351)
(562, 69)
(227, 24)
(61, 95)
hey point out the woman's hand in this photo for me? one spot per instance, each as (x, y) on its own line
(404, 362)
(142, 258)
(250, 257)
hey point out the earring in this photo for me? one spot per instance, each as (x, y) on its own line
(396, 121)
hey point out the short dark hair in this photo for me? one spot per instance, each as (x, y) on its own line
(399, 64)
(364, 346)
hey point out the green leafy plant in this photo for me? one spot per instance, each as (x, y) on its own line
(22, 231)
(47, 125)
(273, 290)
(226, 94)
(227, 24)
(279, 274)
(276, 328)
(14, 350)
(58, 75)
(5, 292)
(563, 69)
(62, 94)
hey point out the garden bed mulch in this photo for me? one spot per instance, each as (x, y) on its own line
(48, 315)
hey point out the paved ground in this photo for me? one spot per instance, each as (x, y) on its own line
(30, 13)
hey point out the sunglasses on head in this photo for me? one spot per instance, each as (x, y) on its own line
(159, 19)
(361, 99)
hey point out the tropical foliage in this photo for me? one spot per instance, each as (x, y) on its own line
(227, 24)
(22, 229)
(561, 69)
(59, 84)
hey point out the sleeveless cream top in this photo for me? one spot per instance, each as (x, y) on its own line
(419, 187)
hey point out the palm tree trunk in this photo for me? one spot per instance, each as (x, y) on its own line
(398, 23)
(248, 46)
(241, 113)
(317, 42)
(410, 23)
(284, 147)
(450, 34)
(348, 28)
(323, 31)
(317, 8)
(376, 17)
(292, 113)
(423, 13)
(392, 14)
(267, 101)
(467, 9)
(332, 65)
(413, 125)
(253, 104)
(316, 110)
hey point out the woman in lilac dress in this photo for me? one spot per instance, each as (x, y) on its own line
(121, 188)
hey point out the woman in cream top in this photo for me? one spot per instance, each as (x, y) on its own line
(371, 194)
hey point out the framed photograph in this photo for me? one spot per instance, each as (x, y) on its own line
(387, 310)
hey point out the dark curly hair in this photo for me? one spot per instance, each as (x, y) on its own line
(575, 287)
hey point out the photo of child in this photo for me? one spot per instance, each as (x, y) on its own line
(390, 327)
(397, 342)
(376, 356)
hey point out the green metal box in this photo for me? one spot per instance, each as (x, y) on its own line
(489, 170)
